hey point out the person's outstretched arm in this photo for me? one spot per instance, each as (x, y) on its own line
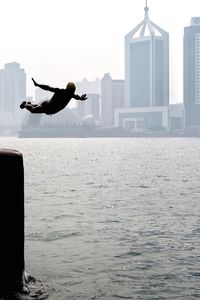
(82, 97)
(44, 87)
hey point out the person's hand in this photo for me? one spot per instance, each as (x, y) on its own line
(35, 83)
(83, 97)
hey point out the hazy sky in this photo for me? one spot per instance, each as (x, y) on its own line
(57, 41)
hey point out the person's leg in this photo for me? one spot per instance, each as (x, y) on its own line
(34, 108)
(34, 105)
(22, 105)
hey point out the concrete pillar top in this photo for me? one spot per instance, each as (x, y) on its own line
(9, 152)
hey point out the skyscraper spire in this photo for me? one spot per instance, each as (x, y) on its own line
(147, 43)
(146, 27)
(146, 9)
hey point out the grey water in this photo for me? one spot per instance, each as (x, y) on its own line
(114, 218)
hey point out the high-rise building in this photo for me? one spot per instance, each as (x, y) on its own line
(112, 97)
(88, 87)
(12, 91)
(146, 77)
(147, 65)
(191, 68)
(13, 87)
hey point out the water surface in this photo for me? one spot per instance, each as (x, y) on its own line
(113, 218)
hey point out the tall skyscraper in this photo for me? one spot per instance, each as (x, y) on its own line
(147, 65)
(12, 92)
(112, 97)
(146, 78)
(13, 87)
(191, 68)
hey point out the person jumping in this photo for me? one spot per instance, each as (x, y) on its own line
(59, 100)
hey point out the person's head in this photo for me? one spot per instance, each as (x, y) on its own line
(71, 87)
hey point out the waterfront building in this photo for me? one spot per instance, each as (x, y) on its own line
(112, 97)
(89, 107)
(146, 77)
(86, 86)
(92, 106)
(93, 90)
(12, 93)
(176, 117)
(147, 65)
(191, 81)
(143, 118)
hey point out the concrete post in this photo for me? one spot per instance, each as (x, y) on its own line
(11, 219)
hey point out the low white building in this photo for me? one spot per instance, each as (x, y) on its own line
(143, 118)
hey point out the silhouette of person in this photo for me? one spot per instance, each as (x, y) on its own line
(59, 100)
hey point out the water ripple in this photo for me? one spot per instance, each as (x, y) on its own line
(52, 236)
(131, 209)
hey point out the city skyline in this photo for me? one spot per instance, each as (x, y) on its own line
(55, 49)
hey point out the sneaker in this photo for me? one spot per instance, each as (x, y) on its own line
(22, 105)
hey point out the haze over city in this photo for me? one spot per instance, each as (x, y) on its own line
(100, 176)
(60, 41)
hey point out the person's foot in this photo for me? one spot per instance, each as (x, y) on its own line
(22, 105)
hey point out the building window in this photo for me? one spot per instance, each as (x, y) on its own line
(134, 124)
(197, 69)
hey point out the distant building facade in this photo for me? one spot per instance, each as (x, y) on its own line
(89, 107)
(191, 69)
(146, 77)
(12, 93)
(92, 106)
(147, 65)
(176, 117)
(142, 118)
(112, 97)
(88, 87)
(93, 90)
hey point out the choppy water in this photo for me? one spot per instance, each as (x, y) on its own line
(113, 218)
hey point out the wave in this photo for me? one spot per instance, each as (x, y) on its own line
(51, 236)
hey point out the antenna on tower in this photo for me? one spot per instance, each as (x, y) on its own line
(146, 9)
